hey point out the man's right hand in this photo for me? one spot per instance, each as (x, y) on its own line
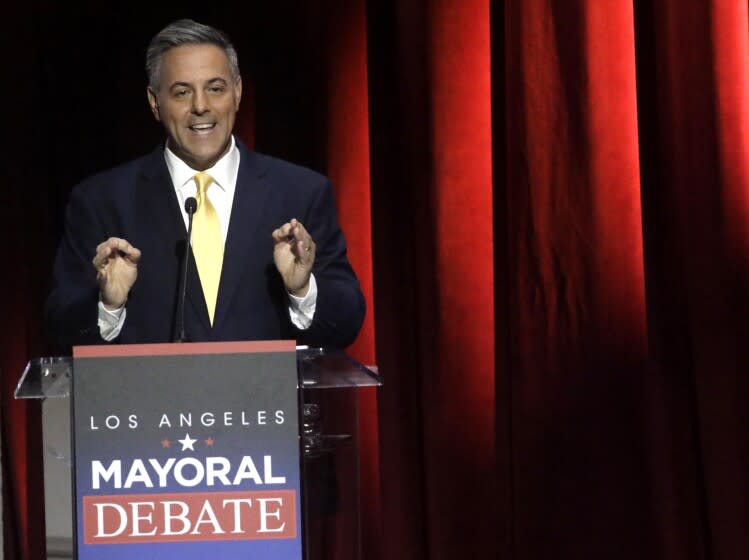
(116, 265)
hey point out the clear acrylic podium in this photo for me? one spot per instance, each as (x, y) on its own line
(329, 383)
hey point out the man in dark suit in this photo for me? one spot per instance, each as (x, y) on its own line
(269, 257)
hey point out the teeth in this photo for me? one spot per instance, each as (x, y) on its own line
(201, 126)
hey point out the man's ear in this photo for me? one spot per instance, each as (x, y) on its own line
(153, 102)
(237, 92)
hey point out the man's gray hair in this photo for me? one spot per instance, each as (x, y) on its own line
(186, 32)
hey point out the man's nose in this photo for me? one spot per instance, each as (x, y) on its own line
(199, 103)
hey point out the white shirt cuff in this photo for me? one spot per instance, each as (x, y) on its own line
(302, 309)
(110, 322)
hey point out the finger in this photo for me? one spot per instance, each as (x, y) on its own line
(134, 255)
(297, 225)
(282, 233)
(105, 247)
(114, 243)
(112, 247)
(297, 228)
(292, 232)
(121, 245)
(103, 251)
(304, 252)
(307, 248)
(301, 233)
(123, 248)
(305, 244)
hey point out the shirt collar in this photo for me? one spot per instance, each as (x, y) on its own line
(224, 171)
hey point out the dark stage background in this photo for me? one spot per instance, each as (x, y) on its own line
(547, 203)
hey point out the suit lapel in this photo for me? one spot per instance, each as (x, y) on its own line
(250, 200)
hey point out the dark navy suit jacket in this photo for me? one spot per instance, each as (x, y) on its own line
(137, 202)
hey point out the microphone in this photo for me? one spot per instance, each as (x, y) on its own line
(191, 205)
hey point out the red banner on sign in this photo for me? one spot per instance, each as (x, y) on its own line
(200, 516)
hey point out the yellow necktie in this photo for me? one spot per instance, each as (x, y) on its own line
(207, 243)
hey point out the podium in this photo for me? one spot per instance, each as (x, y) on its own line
(326, 386)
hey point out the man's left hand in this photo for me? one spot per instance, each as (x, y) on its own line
(294, 255)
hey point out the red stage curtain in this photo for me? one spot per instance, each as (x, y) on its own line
(693, 109)
(431, 194)
(547, 204)
(576, 290)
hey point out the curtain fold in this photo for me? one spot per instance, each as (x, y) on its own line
(694, 191)
(433, 247)
(576, 320)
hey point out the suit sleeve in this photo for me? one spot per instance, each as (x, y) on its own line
(340, 307)
(71, 311)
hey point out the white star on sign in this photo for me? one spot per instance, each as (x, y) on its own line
(187, 443)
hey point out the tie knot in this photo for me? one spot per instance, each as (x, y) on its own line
(203, 180)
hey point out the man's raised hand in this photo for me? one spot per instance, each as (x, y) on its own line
(294, 255)
(116, 265)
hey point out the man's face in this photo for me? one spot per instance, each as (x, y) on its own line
(197, 100)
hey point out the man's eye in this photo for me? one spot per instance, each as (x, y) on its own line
(216, 89)
(180, 93)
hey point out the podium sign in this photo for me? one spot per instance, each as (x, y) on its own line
(187, 451)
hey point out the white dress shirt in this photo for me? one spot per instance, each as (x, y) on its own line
(221, 195)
